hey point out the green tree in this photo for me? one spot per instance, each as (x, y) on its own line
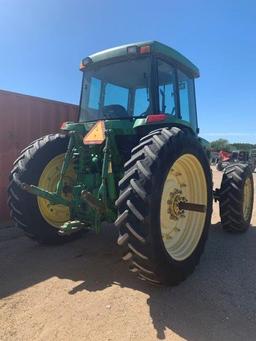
(242, 146)
(220, 144)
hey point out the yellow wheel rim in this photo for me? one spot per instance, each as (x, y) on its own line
(247, 199)
(55, 215)
(181, 230)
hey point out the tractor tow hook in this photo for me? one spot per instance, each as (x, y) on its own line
(70, 227)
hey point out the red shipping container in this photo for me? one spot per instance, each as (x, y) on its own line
(23, 119)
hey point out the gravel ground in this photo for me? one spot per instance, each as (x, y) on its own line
(82, 291)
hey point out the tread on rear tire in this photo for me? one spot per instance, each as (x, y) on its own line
(138, 205)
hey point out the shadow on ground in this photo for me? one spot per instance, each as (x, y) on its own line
(221, 291)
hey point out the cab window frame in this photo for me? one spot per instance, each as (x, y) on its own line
(176, 90)
(151, 85)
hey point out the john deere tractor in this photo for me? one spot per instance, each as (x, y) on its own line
(134, 158)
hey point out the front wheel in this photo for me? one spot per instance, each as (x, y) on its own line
(165, 206)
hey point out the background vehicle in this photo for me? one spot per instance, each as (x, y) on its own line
(252, 159)
(134, 158)
(237, 156)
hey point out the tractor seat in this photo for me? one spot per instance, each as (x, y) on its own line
(114, 111)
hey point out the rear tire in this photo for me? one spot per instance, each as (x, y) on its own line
(236, 198)
(24, 207)
(140, 207)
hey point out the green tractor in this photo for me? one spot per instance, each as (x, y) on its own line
(134, 158)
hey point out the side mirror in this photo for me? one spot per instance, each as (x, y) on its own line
(197, 130)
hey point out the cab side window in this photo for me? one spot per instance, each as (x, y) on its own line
(166, 88)
(94, 96)
(187, 99)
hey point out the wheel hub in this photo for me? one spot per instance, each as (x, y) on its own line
(173, 204)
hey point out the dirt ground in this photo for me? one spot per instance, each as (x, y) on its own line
(83, 291)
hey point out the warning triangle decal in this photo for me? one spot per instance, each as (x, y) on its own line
(96, 135)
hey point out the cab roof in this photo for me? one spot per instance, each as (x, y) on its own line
(156, 48)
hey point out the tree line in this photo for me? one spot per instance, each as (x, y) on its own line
(222, 144)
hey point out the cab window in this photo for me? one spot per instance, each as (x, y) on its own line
(166, 88)
(187, 99)
(94, 96)
(116, 94)
(116, 90)
(141, 102)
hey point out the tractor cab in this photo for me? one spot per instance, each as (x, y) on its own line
(146, 80)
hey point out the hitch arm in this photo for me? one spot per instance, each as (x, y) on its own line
(51, 196)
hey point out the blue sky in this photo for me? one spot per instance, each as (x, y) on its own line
(42, 43)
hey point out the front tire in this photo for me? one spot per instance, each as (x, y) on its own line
(162, 243)
(39, 164)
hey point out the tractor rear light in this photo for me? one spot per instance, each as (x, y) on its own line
(145, 49)
(85, 62)
(63, 126)
(156, 118)
(132, 49)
